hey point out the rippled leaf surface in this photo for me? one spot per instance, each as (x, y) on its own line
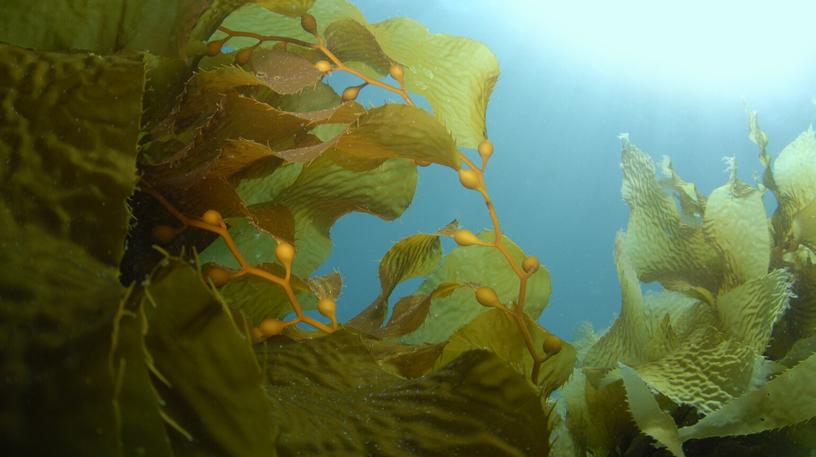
(474, 406)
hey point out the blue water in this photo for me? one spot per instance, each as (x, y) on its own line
(554, 118)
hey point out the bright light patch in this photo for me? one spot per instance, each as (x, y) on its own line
(712, 44)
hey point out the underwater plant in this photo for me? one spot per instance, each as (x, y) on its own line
(726, 348)
(172, 172)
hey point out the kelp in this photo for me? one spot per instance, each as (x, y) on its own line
(212, 177)
(731, 290)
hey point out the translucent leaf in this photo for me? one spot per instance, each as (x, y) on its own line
(326, 286)
(633, 338)
(736, 222)
(647, 414)
(748, 312)
(413, 256)
(284, 72)
(455, 74)
(411, 311)
(659, 245)
(706, 371)
(496, 331)
(468, 265)
(265, 22)
(691, 201)
(354, 44)
(214, 382)
(399, 131)
(70, 129)
(795, 180)
(291, 8)
(475, 405)
(788, 399)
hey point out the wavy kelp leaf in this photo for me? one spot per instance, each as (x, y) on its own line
(786, 400)
(69, 137)
(326, 286)
(63, 378)
(101, 26)
(659, 245)
(795, 181)
(410, 257)
(737, 224)
(803, 227)
(692, 202)
(355, 45)
(455, 74)
(411, 311)
(647, 414)
(317, 197)
(409, 361)
(213, 385)
(633, 338)
(706, 371)
(467, 265)
(760, 138)
(496, 331)
(291, 8)
(475, 405)
(265, 22)
(398, 131)
(596, 415)
(748, 312)
(284, 72)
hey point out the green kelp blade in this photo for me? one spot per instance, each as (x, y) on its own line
(661, 247)
(692, 202)
(707, 370)
(748, 312)
(317, 195)
(596, 415)
(291, 8)
(636, 336)
(467, 265)
(214, 388)
(74, 366)
(458, 87)
(265, 22)
(71, 130)
(395, 130)
(497, 331)
(795, 179)
(355, 45)
(786, 400)
(647, 414)
(737, 224)
(104, 26)
(474, 406)
(411, 311)
(410, 257)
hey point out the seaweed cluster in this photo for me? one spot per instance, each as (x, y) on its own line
(725, 350)
(171, 174)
